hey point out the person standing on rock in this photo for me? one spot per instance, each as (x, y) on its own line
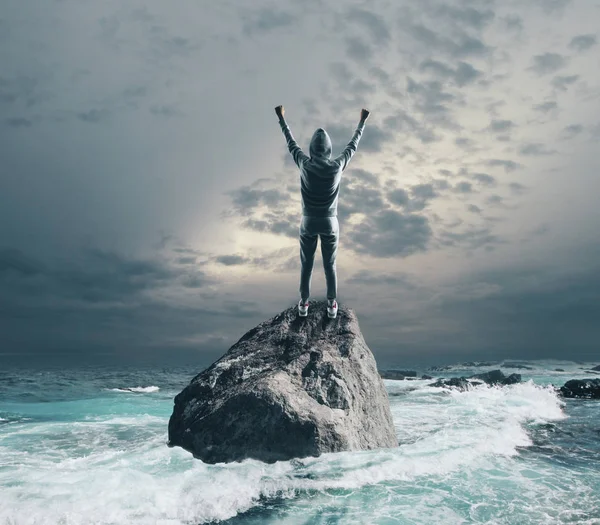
(319, 184)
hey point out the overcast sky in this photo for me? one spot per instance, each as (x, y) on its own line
(149, 208)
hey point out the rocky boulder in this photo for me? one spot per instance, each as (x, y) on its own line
(291, 387)
(493, 377)
(581, 388)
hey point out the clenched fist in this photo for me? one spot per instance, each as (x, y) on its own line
(279, 111)
(364, 114)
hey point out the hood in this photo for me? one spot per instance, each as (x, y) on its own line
(320, 144)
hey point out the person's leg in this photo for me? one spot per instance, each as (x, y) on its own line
(329, 246)
(308, 247)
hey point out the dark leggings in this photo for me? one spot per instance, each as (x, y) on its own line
(311, 228)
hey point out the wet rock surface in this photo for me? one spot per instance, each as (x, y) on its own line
(290, 387)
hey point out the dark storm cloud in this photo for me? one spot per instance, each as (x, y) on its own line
(485, 179)
(471, 239)
(12, 260)
(465, 143)
(468, 16)
(94, 276)
(362, 199)
(101, 303)
(390, 234)
(500, 126)
(274, 223)
(535, 149)
(417, 198)
(347, 82)
(548, 63)
(463, 187)
(358, 175)
(399, 197)
(373, 138)
(93, 116)
(246, 199)
(431, 99)
(186, 260)
(264, 20)
(462, 75)
(535, 312)
(22, 90)
(423, 191)
(562, 82)
(546, 107)
(495, 200)
(517, 188)
(232, 260)
(508, 165)
(401, 121)
(513, 22)
(462, 47)
(572, 130)
(357, 49)
(18, 122)
(165, 111)
(583, 42)
(367, 277)
(373, 23)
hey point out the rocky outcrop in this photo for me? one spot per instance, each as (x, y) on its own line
(493, 377)
(290, 387)
(581, 388)
(497, 377)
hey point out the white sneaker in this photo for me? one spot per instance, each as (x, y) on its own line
(332, 308)
(302, 308)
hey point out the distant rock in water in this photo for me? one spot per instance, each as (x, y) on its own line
(581, 388)
(476, 364)
(397, 374)
(291, 387)
(466, 364)
(559, 369)
(455, 382)
(493, 377)
(596, 368)
(497, 377)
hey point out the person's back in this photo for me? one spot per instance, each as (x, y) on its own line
(320, 177)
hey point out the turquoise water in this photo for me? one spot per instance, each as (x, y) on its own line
(76, 448)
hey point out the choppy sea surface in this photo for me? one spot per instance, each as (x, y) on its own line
(88, 446)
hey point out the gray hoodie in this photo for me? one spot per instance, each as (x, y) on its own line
(320, 174)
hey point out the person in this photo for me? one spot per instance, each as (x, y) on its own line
(320, 184)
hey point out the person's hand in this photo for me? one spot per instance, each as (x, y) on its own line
(364, 114)
(279, 111)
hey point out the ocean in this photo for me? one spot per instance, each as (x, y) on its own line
(87, 445)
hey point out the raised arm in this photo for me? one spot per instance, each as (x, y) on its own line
(344, 158)
(298, 155)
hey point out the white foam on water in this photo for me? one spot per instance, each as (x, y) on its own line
(84, 472)
(137, 389)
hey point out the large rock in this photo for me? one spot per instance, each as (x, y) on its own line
(290, 387)
(581, 388)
